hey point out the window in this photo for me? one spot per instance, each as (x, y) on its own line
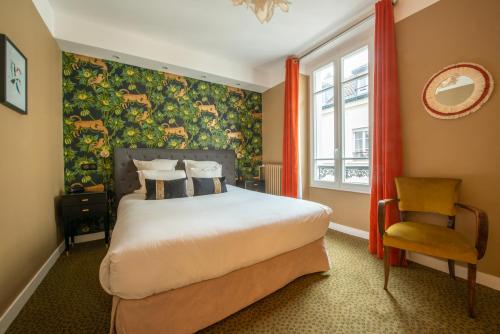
(341, 127)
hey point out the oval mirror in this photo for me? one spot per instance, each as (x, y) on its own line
(457, 91)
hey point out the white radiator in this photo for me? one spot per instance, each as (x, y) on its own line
(272, 176)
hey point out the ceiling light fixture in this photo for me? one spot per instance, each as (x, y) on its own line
(115, 56)
(165, 67)
(264, 9)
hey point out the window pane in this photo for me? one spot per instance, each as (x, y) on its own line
(324, 170)
(324, 125)
(356, 171)
(355, 64)
(355, 117)
(324, 135)
(323, 78)
(361, 143)
(355, 90)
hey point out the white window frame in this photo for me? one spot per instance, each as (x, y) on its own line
(343, 50)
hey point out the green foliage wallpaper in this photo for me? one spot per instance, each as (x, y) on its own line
(109, 104)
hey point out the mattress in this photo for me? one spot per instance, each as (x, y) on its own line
(162, 245)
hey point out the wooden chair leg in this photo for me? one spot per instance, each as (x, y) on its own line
(451, 268)
(387, 265)
(472, 289)
(402, 254)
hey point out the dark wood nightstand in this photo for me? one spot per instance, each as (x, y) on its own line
(255, 185)
(84, 213)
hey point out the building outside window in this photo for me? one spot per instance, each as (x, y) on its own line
(361, 142)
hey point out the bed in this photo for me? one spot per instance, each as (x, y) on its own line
(180, 265)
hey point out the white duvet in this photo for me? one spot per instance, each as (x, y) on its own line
(166, 244)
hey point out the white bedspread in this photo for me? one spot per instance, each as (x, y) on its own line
(166, 244)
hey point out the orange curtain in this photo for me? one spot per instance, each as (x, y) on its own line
(387, 148)
(290, 171)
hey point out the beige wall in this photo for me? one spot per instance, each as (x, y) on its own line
(444, 33)
(349, 208)
(272, 124)
(32, 160)
(272, 127)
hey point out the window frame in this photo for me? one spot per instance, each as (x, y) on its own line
(348, 48)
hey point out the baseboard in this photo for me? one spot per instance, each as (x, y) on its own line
(428, 261)
(460, 271)
(13, 310)
(349, 230)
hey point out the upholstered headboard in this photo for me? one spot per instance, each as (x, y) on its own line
(126, 180)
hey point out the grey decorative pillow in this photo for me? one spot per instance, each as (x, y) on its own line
(161, 189)
(209, 185)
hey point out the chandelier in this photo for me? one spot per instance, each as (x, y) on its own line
(264, 9)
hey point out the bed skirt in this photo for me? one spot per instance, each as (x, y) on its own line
(196, 306)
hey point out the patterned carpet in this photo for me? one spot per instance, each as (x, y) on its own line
(348, 299)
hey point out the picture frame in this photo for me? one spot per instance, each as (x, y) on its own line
(13, 76)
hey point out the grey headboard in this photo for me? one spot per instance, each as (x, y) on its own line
(126, 180)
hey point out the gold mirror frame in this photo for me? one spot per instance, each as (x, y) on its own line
(483, 87)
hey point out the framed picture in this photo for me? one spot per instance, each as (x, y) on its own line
(13, 76)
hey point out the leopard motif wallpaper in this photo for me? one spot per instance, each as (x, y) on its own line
(109, 104)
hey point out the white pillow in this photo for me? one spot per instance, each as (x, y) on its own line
(165, 175)
(200, 169)
(206, 172)
(156, 164)
(201, 164)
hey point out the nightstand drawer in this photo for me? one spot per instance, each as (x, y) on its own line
(81, 211)
(84, 199)
(255, 185)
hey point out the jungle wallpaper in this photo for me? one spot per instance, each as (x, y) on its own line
(109, 104)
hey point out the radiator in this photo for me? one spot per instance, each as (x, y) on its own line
(272, 176)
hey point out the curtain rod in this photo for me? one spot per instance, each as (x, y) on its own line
(343, 32)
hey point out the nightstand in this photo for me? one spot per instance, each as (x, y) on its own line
(255, 185)
(84, 213)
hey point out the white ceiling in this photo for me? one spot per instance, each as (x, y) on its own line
(209, 37)
(218, 27)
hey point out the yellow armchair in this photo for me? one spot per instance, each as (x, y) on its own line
(433, 195)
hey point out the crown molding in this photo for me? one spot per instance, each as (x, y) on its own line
(46, 12)
(406, 8)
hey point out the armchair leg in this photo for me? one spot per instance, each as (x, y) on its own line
(387, 265)
(471, 276)
(451, 268)
(402, 254)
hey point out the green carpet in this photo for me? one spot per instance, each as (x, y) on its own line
(348, 299)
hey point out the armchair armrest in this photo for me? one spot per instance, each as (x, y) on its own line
(481, 228)
(381, 214)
